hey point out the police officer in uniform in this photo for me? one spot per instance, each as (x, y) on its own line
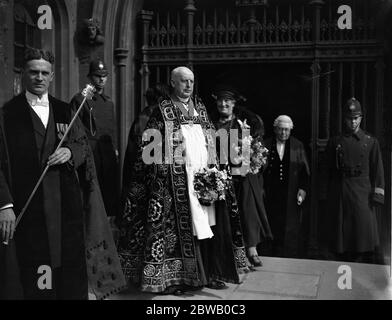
(98, 117)
(355, 188)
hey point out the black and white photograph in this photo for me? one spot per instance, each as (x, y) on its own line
(195, 155)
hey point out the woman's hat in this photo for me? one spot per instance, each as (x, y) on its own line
(227, 92)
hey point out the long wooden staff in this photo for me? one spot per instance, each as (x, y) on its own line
(87, 93)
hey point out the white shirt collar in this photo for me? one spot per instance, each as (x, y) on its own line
(280, 147)
(34, 99)
(184, 100)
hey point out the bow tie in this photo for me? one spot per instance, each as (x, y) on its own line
(34, 103)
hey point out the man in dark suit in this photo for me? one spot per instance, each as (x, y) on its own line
(51, 233)
(286, 182)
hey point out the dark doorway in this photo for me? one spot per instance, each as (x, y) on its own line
(270, 89)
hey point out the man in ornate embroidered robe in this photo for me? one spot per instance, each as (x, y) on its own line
(168, 238)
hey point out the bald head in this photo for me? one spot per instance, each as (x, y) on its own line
(182, 80)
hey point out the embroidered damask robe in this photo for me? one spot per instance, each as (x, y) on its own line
(159, 238)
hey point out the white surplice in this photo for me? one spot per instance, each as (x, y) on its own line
(196, 158)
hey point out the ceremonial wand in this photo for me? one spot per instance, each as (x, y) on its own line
(86, 93)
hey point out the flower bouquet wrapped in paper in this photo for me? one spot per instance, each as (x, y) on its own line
(210, 185)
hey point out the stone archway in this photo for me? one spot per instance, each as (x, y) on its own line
(61, 42)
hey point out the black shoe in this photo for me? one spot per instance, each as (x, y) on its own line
(255, 261)
(179, 292)
(252, 268)
(216, 285)
(175, 290)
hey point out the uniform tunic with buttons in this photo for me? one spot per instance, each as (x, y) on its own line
(355, 172)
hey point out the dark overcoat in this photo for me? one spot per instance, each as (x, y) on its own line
(97, 116)
(356, 182)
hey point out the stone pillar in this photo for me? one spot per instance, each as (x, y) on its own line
(121, 56)
(146, 17)
(252, 24)
(145, 77)
(315, 69)
(316, 21)
(190, 10)
(379, 98)
(6, 50)
(313, 235)
(325, 107)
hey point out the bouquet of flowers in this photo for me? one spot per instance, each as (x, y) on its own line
(258, 153)
(210, 185)
(258, 156)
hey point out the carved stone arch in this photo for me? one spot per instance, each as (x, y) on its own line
(61, 41)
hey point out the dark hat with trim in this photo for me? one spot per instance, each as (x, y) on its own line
(227, 92)
(98, 68)
(352, 108)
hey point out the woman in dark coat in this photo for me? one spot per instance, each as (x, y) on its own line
(249, 188)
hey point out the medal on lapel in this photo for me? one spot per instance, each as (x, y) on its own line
(61, 129)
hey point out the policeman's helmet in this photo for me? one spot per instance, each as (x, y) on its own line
(98, 68)
(352, 108)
